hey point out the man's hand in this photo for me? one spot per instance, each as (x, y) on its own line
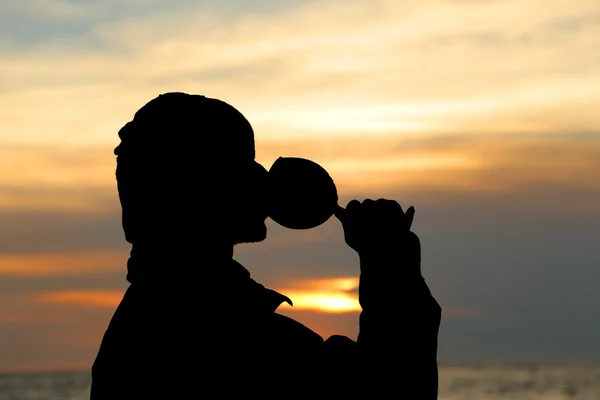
(375, 226)
(380, 232)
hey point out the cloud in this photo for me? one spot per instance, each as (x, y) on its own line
(58, 177)
(60, 231)
(88, 298)
(481, 114)
(80, 178)
(36, 335)
(61, 264)
(507, 175)
(329, 306)
(334, 295)
(494, 259)
(320, 68)
(32, 284)
(45, 9)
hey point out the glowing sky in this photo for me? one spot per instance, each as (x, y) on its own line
(482, 114)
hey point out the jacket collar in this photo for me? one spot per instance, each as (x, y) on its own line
(146, 268)
(267, 298)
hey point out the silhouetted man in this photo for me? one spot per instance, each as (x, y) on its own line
(193, 324)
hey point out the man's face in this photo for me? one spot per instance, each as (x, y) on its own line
(250, 205)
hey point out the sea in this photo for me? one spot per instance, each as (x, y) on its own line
(457, 382)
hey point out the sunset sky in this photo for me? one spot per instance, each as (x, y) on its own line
(484, 115)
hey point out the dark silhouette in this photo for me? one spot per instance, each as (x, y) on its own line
(193, 324)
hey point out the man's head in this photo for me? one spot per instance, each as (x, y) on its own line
(186, 173)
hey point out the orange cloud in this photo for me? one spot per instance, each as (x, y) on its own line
(322, 295)
(330, 302)
(319, 68)
(339, 295)
(73, 178)
(15, 318)
(334, 295)
(328, 306)
(64, 165)
(63, 263)
(90, 298)
(344, 284)
(57, 177)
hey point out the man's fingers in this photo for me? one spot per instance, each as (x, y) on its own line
(368, 204)
(389, 215)
(390, 205)
(352, 206)
(384, 211)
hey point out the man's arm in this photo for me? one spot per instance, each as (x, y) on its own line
(396, 350)
(398, 333)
